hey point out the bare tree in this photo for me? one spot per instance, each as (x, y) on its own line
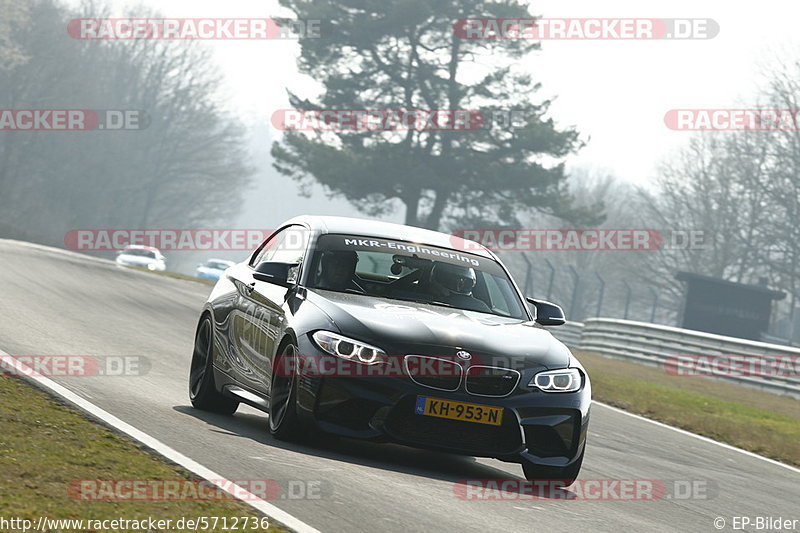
(780, 245)
(188, 167)
(12, 13)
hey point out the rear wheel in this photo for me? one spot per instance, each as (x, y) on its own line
(284, 423)
(567, 474)
(202, 390)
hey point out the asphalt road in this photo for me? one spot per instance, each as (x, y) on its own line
(59, 303)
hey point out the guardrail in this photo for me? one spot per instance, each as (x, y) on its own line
(658, 345)
(569, 333)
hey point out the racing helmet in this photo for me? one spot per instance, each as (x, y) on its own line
(455, 278)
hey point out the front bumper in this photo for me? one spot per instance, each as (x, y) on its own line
(544, 428)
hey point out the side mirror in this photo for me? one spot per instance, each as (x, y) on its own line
(276, 273)
(547, 313)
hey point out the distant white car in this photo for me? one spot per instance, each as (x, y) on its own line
(142, 256)
(213, 268)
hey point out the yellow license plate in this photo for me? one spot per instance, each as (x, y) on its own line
(468, 412)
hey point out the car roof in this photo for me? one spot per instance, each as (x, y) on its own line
(140, 247)
(388, 230)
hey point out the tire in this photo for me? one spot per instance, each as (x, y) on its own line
(568, 475)
(202, 390)
(284, 423)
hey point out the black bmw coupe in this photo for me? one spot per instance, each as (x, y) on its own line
(380, 331)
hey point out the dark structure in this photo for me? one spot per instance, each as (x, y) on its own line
(726, 308)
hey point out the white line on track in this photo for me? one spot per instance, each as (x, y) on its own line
(162, 449)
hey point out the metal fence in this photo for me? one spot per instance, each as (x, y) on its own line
(657, 345)
(584, 292)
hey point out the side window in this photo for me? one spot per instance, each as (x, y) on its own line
(286, 246)
(268, 248)
(292, 245)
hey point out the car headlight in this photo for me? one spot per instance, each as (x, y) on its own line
(564, 380)
(349, 349)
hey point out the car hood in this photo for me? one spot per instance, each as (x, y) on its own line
(400, 327)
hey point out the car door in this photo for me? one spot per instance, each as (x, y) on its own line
(263, 305)
(245, 321)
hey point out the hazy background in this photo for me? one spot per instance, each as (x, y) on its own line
(615, 92)
(206, 160)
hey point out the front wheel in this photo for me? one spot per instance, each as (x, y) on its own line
(202, 390)
(284, 423)
(567, 474)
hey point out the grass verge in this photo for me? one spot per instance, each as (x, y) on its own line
(761, 422)
(176, 275)
(46, 448)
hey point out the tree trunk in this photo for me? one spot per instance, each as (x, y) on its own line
(434, 218)
(412, 207)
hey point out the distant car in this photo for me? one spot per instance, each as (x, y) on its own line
(142, 256)
(379, 331)
(213, 268)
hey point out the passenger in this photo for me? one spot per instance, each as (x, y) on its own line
(453, 284)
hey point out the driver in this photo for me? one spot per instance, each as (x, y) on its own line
(453, 284)
(337, 268)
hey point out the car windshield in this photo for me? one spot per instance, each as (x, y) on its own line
(413, 272)
(140, 253)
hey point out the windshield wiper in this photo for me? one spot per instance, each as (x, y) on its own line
(428, 302)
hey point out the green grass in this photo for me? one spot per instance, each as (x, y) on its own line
(46, 446)
(175, 275)
(754, 420)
